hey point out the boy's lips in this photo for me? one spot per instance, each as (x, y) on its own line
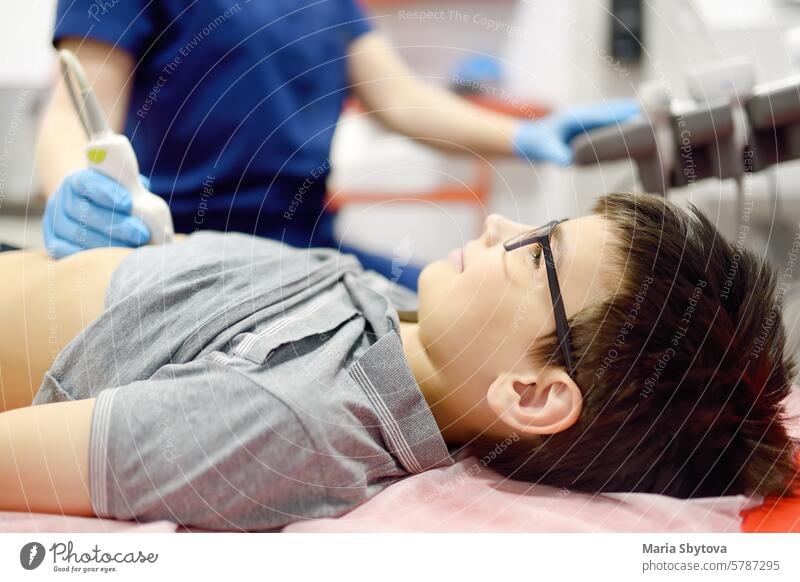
(456, 257)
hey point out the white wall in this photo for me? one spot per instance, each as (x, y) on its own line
(25, 30)
(26, 71)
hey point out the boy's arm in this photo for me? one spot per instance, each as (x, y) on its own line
(44, 458)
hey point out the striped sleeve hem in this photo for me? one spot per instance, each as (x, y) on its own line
(98, 452)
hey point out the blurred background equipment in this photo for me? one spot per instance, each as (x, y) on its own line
(401, 197)
(627, 23)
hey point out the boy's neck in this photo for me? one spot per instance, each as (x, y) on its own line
(439, 400)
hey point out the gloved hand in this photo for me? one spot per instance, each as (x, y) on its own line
(548, 139)
(91, 210)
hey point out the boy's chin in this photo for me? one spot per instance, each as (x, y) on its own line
(435, 276)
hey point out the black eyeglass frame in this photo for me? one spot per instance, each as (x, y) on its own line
(541, 236)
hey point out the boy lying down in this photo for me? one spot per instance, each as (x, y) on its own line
(230, 382)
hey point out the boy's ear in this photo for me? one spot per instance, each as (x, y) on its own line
(546, 402)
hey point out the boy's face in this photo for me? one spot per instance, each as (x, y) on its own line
(479, 316)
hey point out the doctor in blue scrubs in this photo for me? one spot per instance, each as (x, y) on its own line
(231, 106)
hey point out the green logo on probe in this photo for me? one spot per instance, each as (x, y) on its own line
(96, 155)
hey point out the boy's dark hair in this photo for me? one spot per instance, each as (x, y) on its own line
(682, 369)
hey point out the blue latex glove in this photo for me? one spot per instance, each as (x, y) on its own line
(91, 210)
(548, 139)
(477, 74)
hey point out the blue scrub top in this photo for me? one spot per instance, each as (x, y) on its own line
(233, 104)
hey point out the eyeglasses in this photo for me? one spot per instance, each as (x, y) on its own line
(541, 236)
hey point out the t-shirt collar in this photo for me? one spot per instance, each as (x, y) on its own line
(407, 423)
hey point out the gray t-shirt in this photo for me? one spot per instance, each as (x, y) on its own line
(243, 384)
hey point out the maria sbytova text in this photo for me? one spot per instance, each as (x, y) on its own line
(694, 550)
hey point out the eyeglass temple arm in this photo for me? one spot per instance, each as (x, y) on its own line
(562, 327)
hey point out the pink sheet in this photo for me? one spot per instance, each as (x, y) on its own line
(14, 522)
(470, 498)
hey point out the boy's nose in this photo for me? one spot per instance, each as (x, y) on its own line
(497, 229)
